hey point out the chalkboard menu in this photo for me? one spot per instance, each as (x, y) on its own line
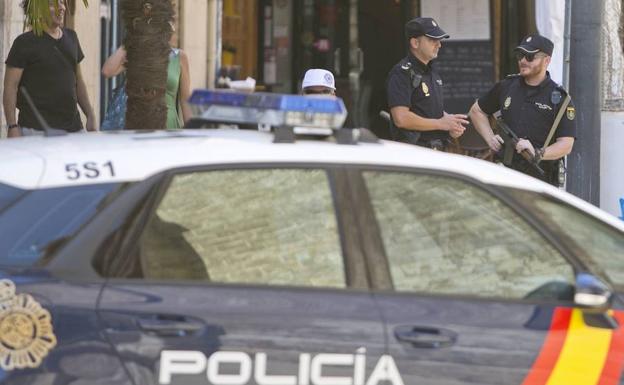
(467, 69)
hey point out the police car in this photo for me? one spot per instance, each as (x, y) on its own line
(274, 257)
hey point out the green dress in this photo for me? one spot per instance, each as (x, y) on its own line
(174, 119)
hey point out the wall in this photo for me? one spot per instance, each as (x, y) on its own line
(86, 23)
(194, 38)
(611, 163)
(612, 120)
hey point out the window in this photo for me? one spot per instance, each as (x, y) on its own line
(445, 236)
(273, 227)
(47, 217)
(8, 195)
(591, 239)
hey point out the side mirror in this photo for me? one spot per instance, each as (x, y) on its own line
(591, 292)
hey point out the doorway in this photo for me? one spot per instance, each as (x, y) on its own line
(383, 44)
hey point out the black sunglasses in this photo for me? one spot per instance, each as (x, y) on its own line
(528, 56)
(325, 91)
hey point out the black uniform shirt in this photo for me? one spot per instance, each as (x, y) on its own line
(424, 97)
(49, 77)
(530, 111)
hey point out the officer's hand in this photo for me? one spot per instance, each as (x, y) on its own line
(495, 142)
(454, 124)
(455, 134)
(524, 144)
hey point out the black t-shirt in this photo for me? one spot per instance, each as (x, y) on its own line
(425, 100)
(49, 77)
(530, 112)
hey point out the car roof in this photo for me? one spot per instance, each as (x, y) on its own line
(38, 162)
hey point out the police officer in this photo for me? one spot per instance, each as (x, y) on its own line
(414, 91)
(529, 103)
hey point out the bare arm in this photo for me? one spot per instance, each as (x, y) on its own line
(407, 120)
(115, 64)
(559, 149)
(184, 91)
(481, 123)
(83, 100)
(12, 79)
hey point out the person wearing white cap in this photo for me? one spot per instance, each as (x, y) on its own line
(318, 81)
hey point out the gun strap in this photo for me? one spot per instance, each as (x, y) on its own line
(564, 105)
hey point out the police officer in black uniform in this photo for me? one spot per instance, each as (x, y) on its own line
(529, 103)
(414, 91)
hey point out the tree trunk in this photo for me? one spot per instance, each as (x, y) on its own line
(149, 26)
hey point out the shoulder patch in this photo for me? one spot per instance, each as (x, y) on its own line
(555, 96)
(571, 113)
(406, 65)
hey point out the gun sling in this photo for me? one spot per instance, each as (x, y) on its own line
(566, 101)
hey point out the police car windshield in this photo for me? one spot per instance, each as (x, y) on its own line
(41, 218)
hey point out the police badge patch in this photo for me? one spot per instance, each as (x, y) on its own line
(425, 88)
(26, 334)
(570, 113)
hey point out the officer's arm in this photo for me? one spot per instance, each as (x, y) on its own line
(12, 78)
(481, 123)
(559, 149)
(407, 120)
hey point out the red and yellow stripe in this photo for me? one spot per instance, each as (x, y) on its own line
(575, 353)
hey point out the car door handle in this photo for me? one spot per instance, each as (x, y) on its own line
(175, 326)
(425, 336)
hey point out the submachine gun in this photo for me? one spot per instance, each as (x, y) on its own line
(511, 140)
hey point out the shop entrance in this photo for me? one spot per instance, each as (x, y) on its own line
(359, 41)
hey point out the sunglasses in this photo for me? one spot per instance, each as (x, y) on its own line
(325, 91)
(528, 56)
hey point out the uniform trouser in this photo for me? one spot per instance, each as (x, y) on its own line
(551, 171)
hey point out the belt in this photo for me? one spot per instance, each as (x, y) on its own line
(434, 144)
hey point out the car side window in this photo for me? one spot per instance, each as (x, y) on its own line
(446, 236)
(260, 226)
(595, 242)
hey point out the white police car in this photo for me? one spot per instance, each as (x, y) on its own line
(221, 257)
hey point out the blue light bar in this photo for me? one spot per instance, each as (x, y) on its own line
(267, 108)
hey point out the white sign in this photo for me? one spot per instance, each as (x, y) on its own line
(463, 20)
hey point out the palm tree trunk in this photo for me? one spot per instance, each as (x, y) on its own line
(149, 29)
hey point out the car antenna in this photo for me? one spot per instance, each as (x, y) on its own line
(49, 131)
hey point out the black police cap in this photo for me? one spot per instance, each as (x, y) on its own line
(424, 26)
(536, 43)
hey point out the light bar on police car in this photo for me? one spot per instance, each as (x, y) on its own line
(267, 109)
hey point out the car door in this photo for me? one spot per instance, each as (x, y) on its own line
(474, 291)
(244, 276)
(49, 330)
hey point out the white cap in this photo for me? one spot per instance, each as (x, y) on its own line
(318, 77)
